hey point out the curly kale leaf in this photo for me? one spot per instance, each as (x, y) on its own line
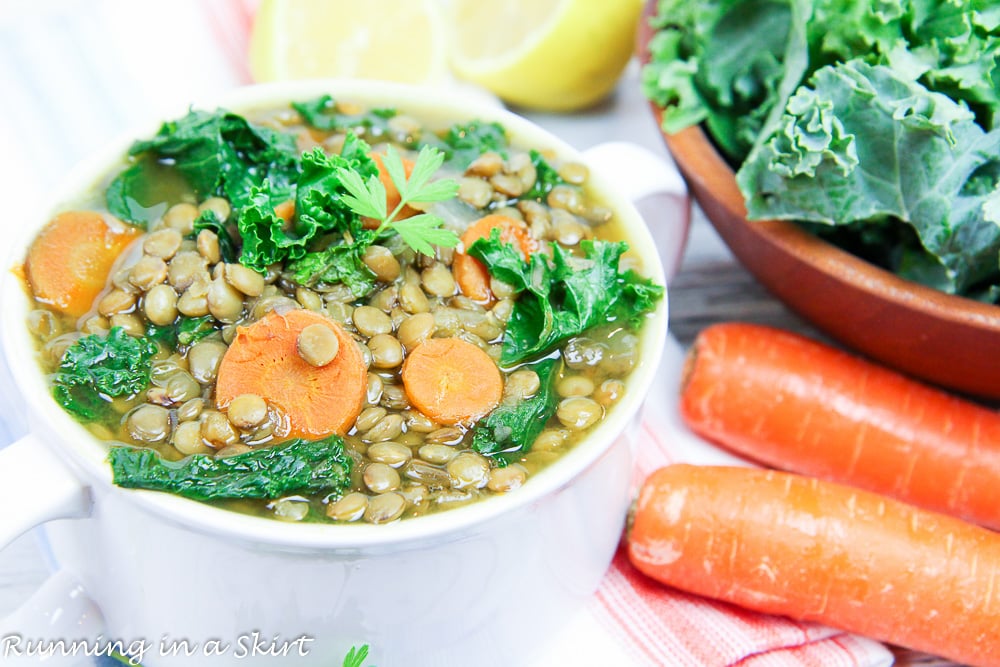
(324, 114)
(319, 210)
(546, 177)
(727, 64)
(464, 142)
(97, 368)
(216, 153)
(297, 466)
(512, 428)
(862, 145)
(564, 297)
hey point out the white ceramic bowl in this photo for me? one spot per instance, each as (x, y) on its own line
(478, 585)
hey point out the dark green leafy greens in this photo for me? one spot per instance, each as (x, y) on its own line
(563, 297)
(324, 114)
(97, 368)
(216, 153)
(464, 142)
(296, 466)
(228, 249)
(818, 99)
(363, 195)
(864, 144)
(512, 428)
(184, 330)
(320, 208)
(546, 178)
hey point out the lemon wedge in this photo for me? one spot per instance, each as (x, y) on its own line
(390, 40)
(552, 55)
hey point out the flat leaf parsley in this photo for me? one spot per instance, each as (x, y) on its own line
(421, 231)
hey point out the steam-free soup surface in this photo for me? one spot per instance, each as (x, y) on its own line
(330, 313)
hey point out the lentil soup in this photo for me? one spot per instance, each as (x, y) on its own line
(328, 313)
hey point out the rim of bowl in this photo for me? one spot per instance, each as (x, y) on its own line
(89, 454)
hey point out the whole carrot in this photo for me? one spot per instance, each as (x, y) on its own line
(792, 403)
(786, 544)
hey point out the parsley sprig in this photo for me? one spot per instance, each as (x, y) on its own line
(356, 656)
(421, 231)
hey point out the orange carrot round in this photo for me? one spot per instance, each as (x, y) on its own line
(263, 359)
(451, 381)
(785, 544)
(70, 260)
(470, 274)
(792, 403)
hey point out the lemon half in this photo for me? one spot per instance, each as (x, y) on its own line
(390, 40)
(554, 55)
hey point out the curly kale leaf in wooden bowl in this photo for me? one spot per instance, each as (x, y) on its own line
(864, 141)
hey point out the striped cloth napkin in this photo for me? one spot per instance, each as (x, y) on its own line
(76, 72)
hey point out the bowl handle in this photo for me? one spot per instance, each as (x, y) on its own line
(59, 608)
(655, 187)
(25, 467)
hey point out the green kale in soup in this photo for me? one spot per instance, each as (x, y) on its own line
(96, 368)
(296, 466)
(512, 427)
(217, 153)
(323, 113)
(565, 296)
(546, 177)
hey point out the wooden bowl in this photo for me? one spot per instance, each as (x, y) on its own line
(944, 339)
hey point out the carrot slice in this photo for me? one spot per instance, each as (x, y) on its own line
(793, 403)
(785, 544)
(70, 260)
(451, 381)
(470, 274)
(263, 359)
(392, 197)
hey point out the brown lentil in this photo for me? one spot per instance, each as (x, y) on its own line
(181, 217)
(217, 205)
(247, 411)
(438, 280)
(163, 243)
(318, 345)
(506, 479)
(469, 470)
(149, 423)
(437, 454)
(160, 305)
(609, 392)
(387, 428)
(385, 507)
(217, 430)
(349, 508)
(244, 279)
(579, 413)
(203, 360)
(225, 303)
(382, 262)
(187, 439)
(147, 272)
(116, 301)
(386, 351)
(371, 321)
(380, 478)
(416, 329)
(208, 245)
(391, 454)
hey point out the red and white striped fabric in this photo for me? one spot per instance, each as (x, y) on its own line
(76, 72)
